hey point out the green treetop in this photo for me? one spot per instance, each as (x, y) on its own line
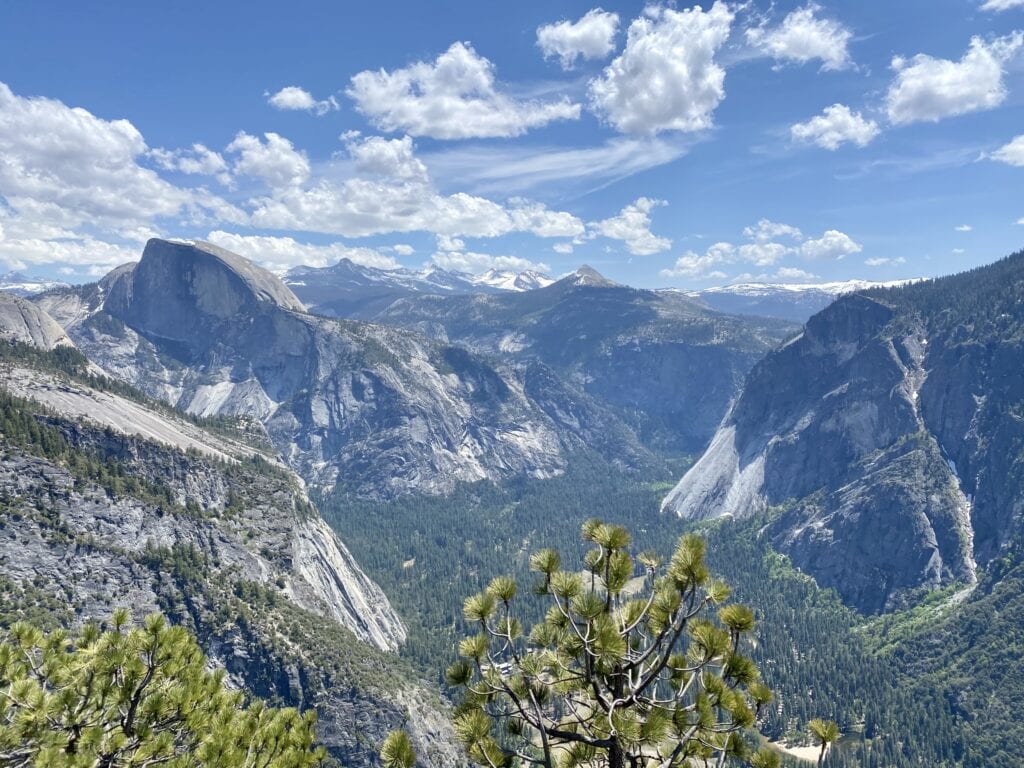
(637, 664)
(134, 698)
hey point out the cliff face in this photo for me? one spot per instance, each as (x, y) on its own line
(375, 410)
(119, 502)
(886, 438)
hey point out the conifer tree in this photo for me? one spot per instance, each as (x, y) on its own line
(134, 698)
(637, 663)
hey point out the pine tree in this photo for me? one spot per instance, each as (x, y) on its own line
(134, 697)
(630, 666)
(824, 732)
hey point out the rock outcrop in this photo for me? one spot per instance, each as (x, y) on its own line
(22, 321)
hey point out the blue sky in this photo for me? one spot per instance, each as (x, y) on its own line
(663, 144)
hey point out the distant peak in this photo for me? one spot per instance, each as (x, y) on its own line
(587, 275)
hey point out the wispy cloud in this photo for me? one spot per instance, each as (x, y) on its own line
(511, 169)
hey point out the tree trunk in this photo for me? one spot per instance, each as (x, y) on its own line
(616, 756)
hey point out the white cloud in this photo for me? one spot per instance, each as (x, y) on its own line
(391, 158)
(292, 97)
(396, 195)
(929, 89)
(536, 218)
(633, 227)
(65, 167)
(281, 253)
(959, 251)
(198, 160)
(403, 250)
(766, 230)
(795, 275)
(274, 160)
(963, 228)
(453, 97)
(835, 126)
(763, 254)
(451, 255)
(591, 37)
(884, 261)
(1012, 153)
(831, 245)
(698, 267)
(803, 37)
(666, 78)
(82, 251)
(515, 169)
(1001, 5)
(563, 248)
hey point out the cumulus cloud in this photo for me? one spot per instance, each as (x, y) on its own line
(198, 160)
(273, 160)
(835, 126)
(281, 253)
(763, 251)
(963, 228)
(666, 78)
(591, 37)
(452, 255)
(294, 98)
(802, 37)
(1012, 153)
(395, 194)
(1001, 5)
(702, 267)
(766, 230)
(930, 89)
(70, 181)
(453, 97)
(403, 249)
(563, 248)
(66, 167)
(633, 227)
(832, 245)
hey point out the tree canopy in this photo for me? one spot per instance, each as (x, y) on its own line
(637, 662)
(134, 698)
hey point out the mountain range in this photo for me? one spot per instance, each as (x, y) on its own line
(172, 432)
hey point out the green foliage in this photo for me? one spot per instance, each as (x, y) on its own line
(134, 697)
(397, 751)
(616, 672)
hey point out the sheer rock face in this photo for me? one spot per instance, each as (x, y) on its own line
(378, 411)
(885, 439)
(23, 321)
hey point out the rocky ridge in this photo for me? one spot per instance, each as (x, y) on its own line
(884, 439)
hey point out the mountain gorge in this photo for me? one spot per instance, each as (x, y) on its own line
(667, 365)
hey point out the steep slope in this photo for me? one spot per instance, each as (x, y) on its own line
(22, 321)
(373, 410)
(107, 500)
(888, 437)
(669, 365)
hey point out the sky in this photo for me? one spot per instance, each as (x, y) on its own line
(663, 144)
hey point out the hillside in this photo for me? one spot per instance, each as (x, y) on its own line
(109, 500)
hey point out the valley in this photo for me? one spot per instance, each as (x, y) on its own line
(226, 385)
